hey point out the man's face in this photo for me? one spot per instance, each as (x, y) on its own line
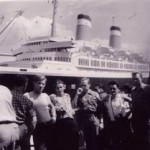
(39, 86)
(85, 85)
(60, 88)
(113, 89)
(136, 79)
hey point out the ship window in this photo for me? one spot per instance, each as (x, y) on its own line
(109, 64)
(103, 63)
(68, 59)
(128, 66)
(142, 67)
(135, 66)
(114, 65)
(121, 65)
(84, 62)
(95, 63)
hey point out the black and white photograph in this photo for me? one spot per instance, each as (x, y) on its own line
(74, 75)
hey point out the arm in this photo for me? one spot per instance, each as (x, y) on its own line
(75, 100)
(31, 115)
(52, 110)
(126, 98)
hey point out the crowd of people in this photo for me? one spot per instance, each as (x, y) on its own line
(117, 119)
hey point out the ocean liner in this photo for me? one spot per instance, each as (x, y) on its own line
(74, 58)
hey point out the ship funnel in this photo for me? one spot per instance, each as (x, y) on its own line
(84, 26)
(115, 37)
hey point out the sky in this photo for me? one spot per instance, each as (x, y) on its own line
(131, 15)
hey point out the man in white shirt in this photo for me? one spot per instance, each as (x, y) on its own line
(9, 132)
(116, 122)
(45, 114)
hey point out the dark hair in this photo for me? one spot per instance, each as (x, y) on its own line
(100, 86)
(38, 78)
(113, 83)
(20, 80)
(135, 73)
(126, 88)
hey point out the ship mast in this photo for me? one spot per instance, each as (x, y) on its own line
(113, 20)
(53, 28)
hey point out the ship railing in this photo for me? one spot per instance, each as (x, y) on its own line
(110, 65)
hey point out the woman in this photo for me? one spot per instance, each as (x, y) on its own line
(66, 131)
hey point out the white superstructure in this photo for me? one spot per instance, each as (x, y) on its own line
(52, 56)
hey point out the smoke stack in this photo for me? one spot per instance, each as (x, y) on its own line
(84, 26)
(115, 37)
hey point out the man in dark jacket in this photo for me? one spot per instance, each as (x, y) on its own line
(140, 112)
(116, 124)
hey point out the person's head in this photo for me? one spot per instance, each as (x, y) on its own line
(126, 88)
(60, 87)
(136, 78)
(113, 87)
(99, 88)
(39, 83)
(85, 84)
(20, 82)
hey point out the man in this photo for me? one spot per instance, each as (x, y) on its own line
(9, 132)
(87, 101)
(115, 113)
(140, 112)
(24, 111)
(45, 114)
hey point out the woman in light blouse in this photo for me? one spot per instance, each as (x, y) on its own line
(66, 131)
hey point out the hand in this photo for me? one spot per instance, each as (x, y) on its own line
(79, 91)
(53, 119)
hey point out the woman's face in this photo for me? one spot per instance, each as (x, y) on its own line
(60, 87)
